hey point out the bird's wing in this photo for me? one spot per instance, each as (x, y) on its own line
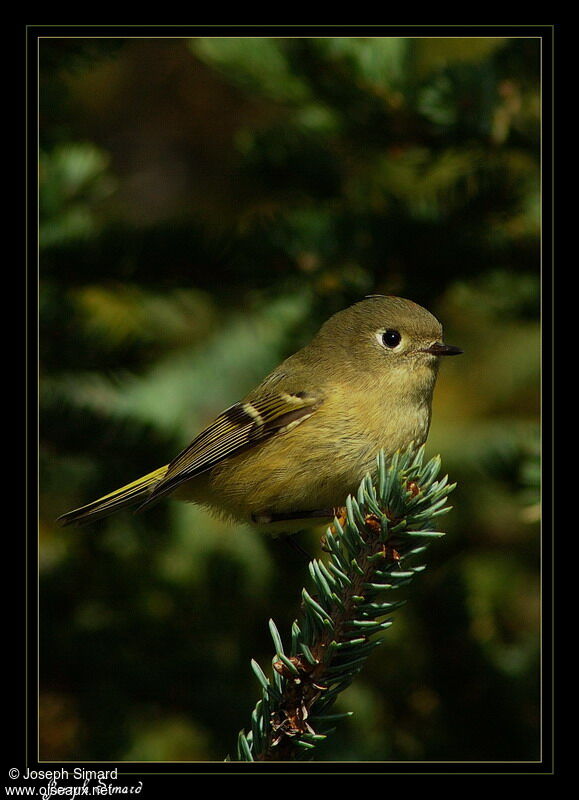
(240, 427)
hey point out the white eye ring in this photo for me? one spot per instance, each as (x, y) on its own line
(381, 341)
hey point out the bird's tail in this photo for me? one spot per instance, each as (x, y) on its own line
(121, 498)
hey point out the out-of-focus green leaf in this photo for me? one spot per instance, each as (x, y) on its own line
(256, 64)
(74, 179)
(377, 62)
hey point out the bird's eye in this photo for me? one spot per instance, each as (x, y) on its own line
(391, 338)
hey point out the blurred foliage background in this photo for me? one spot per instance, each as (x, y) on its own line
(204, 205)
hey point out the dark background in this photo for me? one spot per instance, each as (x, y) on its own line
(204, 205)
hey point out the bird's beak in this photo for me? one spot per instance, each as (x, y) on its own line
(440, 349)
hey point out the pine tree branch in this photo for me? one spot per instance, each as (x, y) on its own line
(388, 522)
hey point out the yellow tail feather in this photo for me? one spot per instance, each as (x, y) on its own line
(125, 496)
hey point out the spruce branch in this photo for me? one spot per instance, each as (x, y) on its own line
(367, 547)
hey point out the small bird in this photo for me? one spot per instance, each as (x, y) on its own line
(299, 443)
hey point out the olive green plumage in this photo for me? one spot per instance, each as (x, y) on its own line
(304, 438)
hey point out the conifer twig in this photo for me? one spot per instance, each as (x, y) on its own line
(367, 546)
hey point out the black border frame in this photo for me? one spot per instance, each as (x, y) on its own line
(22, 611)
